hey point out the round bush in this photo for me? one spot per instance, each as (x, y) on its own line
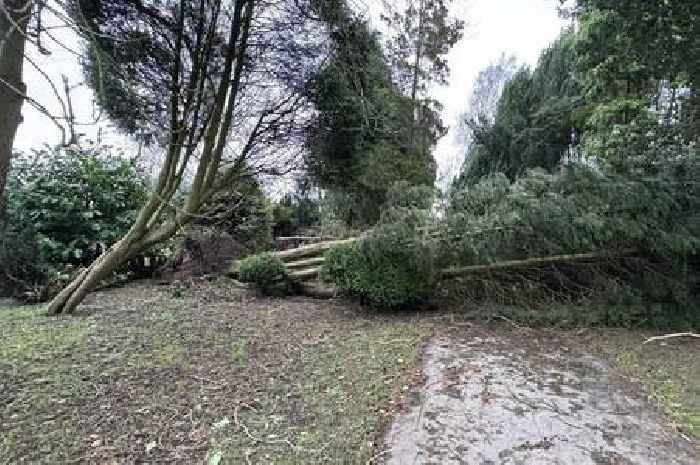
(383, 270)
(267, 272)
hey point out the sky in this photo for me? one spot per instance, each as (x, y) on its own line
(518, 27)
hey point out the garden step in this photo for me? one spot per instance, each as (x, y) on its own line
(311, 250)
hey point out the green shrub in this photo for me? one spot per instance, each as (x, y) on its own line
(340, 265)
(382, 271)
(65, 205)
(394, 265)
(75, 201)
(267, 272)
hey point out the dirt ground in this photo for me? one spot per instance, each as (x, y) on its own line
(207, 372)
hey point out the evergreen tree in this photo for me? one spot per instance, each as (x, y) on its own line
(360, 141)
(537, 118)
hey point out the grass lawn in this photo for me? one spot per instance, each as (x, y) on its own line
(213, 374)
(207, 374)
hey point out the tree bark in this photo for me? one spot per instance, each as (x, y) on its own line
(530, 262)
(416, 72)
(13, 27)
(69, 298)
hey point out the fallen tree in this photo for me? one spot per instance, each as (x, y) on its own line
(531, 263)
(576, 237)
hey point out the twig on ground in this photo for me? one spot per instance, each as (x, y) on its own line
(374, 458)
(670, 336)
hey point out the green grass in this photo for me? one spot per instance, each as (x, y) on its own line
(28, 336)
(37, 359)
(238, 351)
(345, 383)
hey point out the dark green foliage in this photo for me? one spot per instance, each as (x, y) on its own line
(393, 267)
(641, 64)
(242, 212)
(618, 93)
(75, 200)
(536, 115)
(24, 271)
(65, 206)
(649, 39)
(361, 141)
(341, 265)
(294, 212)
(624, 85)
(128, 66)
(653, 221)
(383, 271)
(578, 211)
(267, 272)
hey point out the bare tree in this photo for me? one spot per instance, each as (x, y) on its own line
(483, 100)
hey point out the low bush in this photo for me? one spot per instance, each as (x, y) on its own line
(379, 274)
(267, 272)
(340, 264)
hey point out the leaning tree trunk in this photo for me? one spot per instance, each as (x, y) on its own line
(69, 298)
(12, 40)
(154, 223)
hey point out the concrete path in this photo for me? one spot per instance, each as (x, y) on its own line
(494, 400)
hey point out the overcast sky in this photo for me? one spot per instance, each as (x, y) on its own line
(519, 27)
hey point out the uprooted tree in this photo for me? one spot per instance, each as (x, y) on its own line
(216, 84)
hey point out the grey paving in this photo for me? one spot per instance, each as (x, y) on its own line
(493, 401)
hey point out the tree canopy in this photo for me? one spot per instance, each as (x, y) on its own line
(360, 141)
(618, 89)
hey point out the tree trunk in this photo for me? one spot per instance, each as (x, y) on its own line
(69, 298)
(532, 262)
(152, 225)
(417, 57)
(12, 89)
(416, 72)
